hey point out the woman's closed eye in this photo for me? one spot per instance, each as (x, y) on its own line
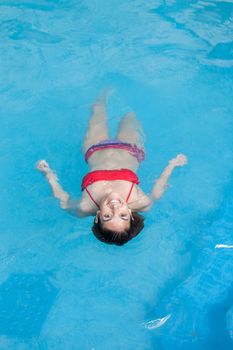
(107, 217)
(124, 217)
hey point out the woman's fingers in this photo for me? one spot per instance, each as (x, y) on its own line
(43, 166)
(181, 159)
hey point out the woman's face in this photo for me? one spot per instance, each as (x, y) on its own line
(114, 213)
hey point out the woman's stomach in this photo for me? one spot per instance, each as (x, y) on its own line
(110, 159)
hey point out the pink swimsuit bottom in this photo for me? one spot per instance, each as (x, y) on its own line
(133, 149)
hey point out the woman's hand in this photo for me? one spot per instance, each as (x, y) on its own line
(179, 160)
(161, 183)
(50, 175)
(43, 166)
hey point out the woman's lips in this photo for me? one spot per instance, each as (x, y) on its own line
(114, 196)
(114, 202)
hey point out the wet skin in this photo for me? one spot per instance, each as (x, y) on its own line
(114, 213)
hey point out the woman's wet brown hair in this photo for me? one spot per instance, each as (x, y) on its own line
(119, 238)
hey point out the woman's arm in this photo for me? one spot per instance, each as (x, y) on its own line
(161, 184)
(144, 202)
(71, 206)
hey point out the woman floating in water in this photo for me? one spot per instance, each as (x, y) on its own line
(110, 191)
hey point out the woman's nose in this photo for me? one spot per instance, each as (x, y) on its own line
(115, 205)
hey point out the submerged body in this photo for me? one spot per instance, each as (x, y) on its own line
(113, 194)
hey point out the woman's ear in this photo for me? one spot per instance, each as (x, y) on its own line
(131, 215)
(97, 217)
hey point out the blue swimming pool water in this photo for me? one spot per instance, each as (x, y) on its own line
(171, 62)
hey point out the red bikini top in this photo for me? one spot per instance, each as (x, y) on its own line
(109, 175)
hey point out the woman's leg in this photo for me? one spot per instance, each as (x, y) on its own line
(97, 128)
(130, 130)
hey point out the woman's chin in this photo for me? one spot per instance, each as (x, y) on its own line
(114, 197)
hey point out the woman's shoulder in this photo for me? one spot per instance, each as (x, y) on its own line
(139, 200)
(86, 205)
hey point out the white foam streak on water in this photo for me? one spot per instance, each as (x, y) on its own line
(159, 322)
(219, 246)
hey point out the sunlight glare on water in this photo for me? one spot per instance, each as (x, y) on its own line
(171, 62)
